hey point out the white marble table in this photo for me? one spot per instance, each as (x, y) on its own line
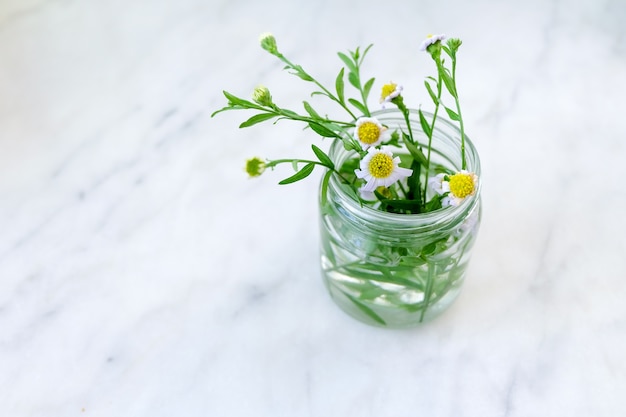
(142, 273)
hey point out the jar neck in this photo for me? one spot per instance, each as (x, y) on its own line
(446, 145)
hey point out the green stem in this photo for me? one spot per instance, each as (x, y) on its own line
(428, 291)
(405, 113)
(297, 117)
(402, 189)
(337, 267)
(367, 110)
(430, 137)
(458, 111)
(324, 89)
(358, 63)
(273, 163)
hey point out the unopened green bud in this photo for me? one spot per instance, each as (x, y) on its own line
(255, 166)
(454, 43)
(268, 42)
(262, 96)
(453, 46)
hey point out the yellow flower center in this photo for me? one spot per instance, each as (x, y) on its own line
(461, 185)
(430, 35)
(381, 165)
(368, 132)
(388, 89)
(384, 191)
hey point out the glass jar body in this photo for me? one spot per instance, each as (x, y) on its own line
(398, 270)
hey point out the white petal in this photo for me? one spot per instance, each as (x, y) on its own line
(403, 172)
(361, 173)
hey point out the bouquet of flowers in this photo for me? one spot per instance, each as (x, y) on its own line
(377, 177)
(399, 199)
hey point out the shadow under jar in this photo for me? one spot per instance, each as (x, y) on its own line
(399, 270)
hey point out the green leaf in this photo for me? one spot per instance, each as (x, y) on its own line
(299, 71)
(360, 107)
(368, 87)
(425, 125)
(429, 249)
(258, 118)
(310, 110)
(324, 159)
(411, 205)
(394, 139)
(339, 85)
(432, 94)
(350, 165)
(289, 113)
(355, 54)
(448, 81)
(354, 80)
(225, 109)
(324, 191)
(303, 173)
(322, 130)
(392, 279)
(433, 204)
(414, 150)
(365, 309)
(414, 184)
(346, 60)
(238, 101)
(320, 93)
(452, 114)
(365, 53)
(348, 189)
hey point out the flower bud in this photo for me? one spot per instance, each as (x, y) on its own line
(255, 166)
(268, 42)
(453, 44)
(262, 96)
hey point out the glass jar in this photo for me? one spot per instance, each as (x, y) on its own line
(399, 270)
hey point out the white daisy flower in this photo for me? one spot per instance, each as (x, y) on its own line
(380, 168)
(470, 223)
(389, 92)
(430, 39)
(436, 183)
(456, 188)
(370, 196)
(369, 132)
(367, 195)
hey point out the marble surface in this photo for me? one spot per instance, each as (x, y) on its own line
(142, 273)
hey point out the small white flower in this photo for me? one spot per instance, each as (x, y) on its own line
(457, 188)
(436, 183)
(371, 196)
(369, 132)
(430, 39)
(367, 195)
(470, 223)
(389, 92)
(380, 168)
